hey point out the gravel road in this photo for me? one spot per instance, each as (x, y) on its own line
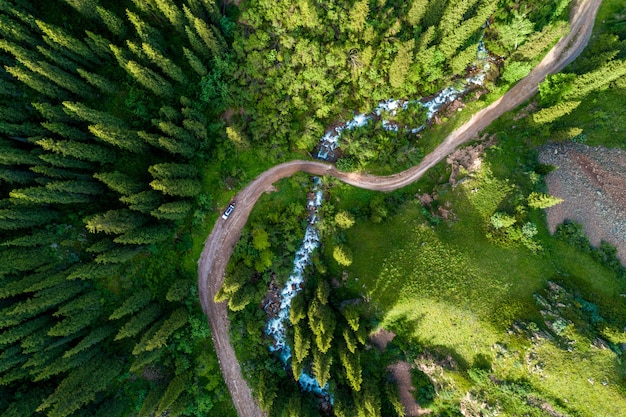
(219, 245)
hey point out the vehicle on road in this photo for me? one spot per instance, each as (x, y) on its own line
(229, 209)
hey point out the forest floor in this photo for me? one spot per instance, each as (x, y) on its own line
(592, 183)
(220, 243)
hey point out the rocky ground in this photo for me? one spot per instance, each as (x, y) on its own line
(592, 183)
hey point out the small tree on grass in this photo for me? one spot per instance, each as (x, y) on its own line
(344, 220)
(343, 255)
(542, 201)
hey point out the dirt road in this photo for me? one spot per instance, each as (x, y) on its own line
(218, 247)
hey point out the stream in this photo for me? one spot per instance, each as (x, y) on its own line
(329, 143)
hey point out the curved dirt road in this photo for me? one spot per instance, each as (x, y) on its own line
(219, 245)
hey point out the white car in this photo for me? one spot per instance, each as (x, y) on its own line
(229, 210)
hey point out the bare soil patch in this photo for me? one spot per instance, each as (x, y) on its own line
(401, 372)
(592, 183)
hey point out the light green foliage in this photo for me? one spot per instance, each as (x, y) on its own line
(400, 66)
(114, 222)
(139, 322)
(515, 33)
(542, 201)
(501, 220)
(343, 255)
(515, 71)
(175, 388)
(344, 220)
(177, 319)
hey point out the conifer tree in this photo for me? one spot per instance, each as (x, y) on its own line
(98, 44)
(196, 44)
(76, 187)
(62, 364)
(82, 151)
(176, 387)
(197, 129)
(111, 21)
(145, 201)
(550, 114)
(81, 386)
(96, 336)
(194, 62)
(120, 182)
(11, 29)
(101, 83)
(58, 59)
(352, 365)
(82, 112)
(52, 112)
(149, 79)
(152, 400)
(542, 201)
(145, 235)
(139, 322)
(172, 12)
(118, 255)
(146, 32)
(177, 319)
(24, 217)
(56, 36)
(79, 313)
(93, 271)
(169, 170)
(181, 187)
(207, 35)
(321, 366)
(132, 304)
(44, 195)
(85, 7)
(301, 343)
(416, 11)
(117, 136)
(35, 81)
(114, 221)
(24, 259)
(46, 299)
(65, 130)
(179, 290)
(17, 333)
(167, 66)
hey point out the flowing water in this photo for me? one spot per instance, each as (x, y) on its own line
(276, 327)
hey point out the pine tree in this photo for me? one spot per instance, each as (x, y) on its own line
(55, 35)
(82, 151)
(139, 322)
(11, 29)
(16, 260)
(149, 79)
(179, 290)
(79, 313)
(46, 299)
(101, 83)
(118, 255)
(58, 59)
(152, 400)
(171, 11)
(62, 364)
(343, 255)
(146, 235)
(38, 237)
(98, 44)
(177, 210)
(542, 201)
(25, 217)
(14, 176)
(352, 364)
(146, 32)
(76, 187)
(168, 170)
(298, 309)
(126, 139)
(36, 82)
(114, 221)
(120, 182)
(197, 129)
(96, 336)
(93, 271)
(195, 63)
(143, 202)
(400, 65)
(181, 187)
(206, 34)
(81, 386)
(143, 359)
(134, 303)
(177, 319)
(17, 333)
(164, 63)
(65, 130)
(196, 44)
(301, 343)
(550, 114)
(176, 387)
(52, 112)
(85, 7)
(44, 195)
(82, 112)
(111, 21)
(416, 12)
(321, 366)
